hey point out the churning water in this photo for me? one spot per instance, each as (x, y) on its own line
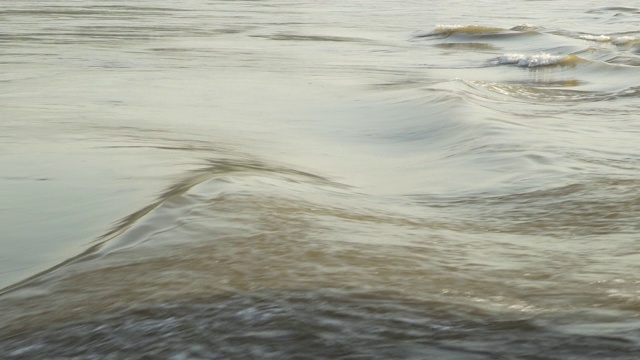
(320, 179)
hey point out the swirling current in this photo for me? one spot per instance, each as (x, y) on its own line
(319, 180)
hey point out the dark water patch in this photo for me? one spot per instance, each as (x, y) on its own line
(297, 37)
(467, 46)
(616, 9)
(313, 325)
(405, 83)
(97, 11)
(79, 33)
(23, 178)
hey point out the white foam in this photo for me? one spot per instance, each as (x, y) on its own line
(621, 40)
(449, 27)
(524, 27)
(532, 60)
(598, 38)
(624, 40)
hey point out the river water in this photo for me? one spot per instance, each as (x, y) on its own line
(319, 179)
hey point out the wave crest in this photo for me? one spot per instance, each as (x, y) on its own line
(451, 29)
(620, 40)
(537, 60)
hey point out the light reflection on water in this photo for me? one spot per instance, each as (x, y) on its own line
(301, 181)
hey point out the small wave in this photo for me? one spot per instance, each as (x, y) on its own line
(451, 29)
(535, 93)
(477, 31)
(614, 9)
(524, 27)
(624, 60)
(538, 60)
(295, 37)
(557, 91)
(597, 38)
(620, 40)
(624, 40)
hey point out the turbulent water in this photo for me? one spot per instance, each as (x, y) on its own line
(319, 179)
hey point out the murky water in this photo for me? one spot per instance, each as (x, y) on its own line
(335, 179)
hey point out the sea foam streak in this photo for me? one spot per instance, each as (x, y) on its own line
(620, 40)
(624, 40)
(524, 60)
(597, 38)
(524, 27)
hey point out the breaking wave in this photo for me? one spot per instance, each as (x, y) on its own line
(538, 60)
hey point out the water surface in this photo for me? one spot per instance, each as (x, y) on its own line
(278, 179)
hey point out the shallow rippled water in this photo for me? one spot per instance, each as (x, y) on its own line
(303, 179)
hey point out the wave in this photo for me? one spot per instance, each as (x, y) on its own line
(321, 324)
(247, 252)
(624, 9)
(552, 91)
(251, 253)
(524, 60)
(465, 29)
(629, 60)
(615, 40)
(525, 27)
(596, 207)
(597, 38)
(139, 226)
(625, 40)
(446, 30)
(562, 48)
(496, 188)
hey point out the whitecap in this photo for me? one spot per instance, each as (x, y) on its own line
(524, 27)
(532, 60)
(622, 40)
(448, 27)
(598, 38)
